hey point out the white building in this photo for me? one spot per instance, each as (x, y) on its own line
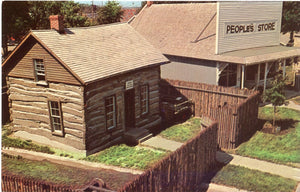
(224, 43)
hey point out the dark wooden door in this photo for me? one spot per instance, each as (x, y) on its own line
(129, 109)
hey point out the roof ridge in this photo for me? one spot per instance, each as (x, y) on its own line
(80, 28)
(96, 26)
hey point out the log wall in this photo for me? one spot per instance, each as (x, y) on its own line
(98, 137)
(29, 109)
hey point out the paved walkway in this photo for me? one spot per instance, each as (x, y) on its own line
(264, 166)
(212, 187)
(37, 156)
(161, 143)
(281, 170)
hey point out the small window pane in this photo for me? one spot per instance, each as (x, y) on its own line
(144, 99)
(110, 110)
(55, 115)
(39, 69)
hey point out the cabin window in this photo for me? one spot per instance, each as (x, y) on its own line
(144, 99)
(39, 69)
(56, 117)
(110, 112)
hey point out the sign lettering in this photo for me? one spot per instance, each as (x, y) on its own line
(250, 28)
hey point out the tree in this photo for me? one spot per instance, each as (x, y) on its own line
(15, 21)
(70, 11)
(18, 17)
(275, 94)
(110, 13)
(290, 19)
(41, 10)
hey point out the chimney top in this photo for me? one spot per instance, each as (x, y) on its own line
(57, 23)
(149, 3)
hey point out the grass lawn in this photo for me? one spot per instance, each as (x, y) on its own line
(130, 157)
(60, 174)
(279, 148)
(19, 143)
(183, 132)
(252, 180)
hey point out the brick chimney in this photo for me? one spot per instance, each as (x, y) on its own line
(149, 3)
(57, 23)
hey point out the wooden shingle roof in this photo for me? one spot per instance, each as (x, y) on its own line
(189, 30)
(99, 52)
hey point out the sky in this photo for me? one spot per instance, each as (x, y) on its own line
(122, 3)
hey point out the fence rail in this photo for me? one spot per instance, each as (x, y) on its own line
(235, 110)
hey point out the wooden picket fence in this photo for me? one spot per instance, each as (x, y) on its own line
(13, 183)
(16, 183)
(182, 170)
(235, 110)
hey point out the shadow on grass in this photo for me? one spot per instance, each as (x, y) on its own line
(285, 125)
(209, 176)
(165, 125)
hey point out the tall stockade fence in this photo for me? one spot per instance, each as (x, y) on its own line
(184, 169)
(235, 109)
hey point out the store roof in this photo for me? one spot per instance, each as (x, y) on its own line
(189, 30)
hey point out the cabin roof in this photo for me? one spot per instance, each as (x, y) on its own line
(189, 30)
(99, 52)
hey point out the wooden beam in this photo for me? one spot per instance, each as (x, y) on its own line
(238, 76)
(243, 77)
(210, 91)
(265, 77)
(283, 70)
(217, 73)
(258, 76)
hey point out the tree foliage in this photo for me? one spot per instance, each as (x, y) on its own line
(275, 95)
(110, 13)
(15, 21)
(20, 16)
(41, 10)
(290, 18)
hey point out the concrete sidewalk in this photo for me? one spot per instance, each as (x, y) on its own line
(162, 143)
(264, 166)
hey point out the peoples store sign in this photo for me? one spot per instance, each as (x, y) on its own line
(251, 27)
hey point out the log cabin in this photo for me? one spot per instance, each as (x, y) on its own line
(84, 87)
(231, 44)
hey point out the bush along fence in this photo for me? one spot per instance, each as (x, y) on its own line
(182, 170)
(235, 110)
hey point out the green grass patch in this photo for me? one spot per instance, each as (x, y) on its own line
(61, 174)
(130, 157)
(22, 144)
(252, 180)
(183, 132)
(266, 113)
(19, 143)
(278, 148)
